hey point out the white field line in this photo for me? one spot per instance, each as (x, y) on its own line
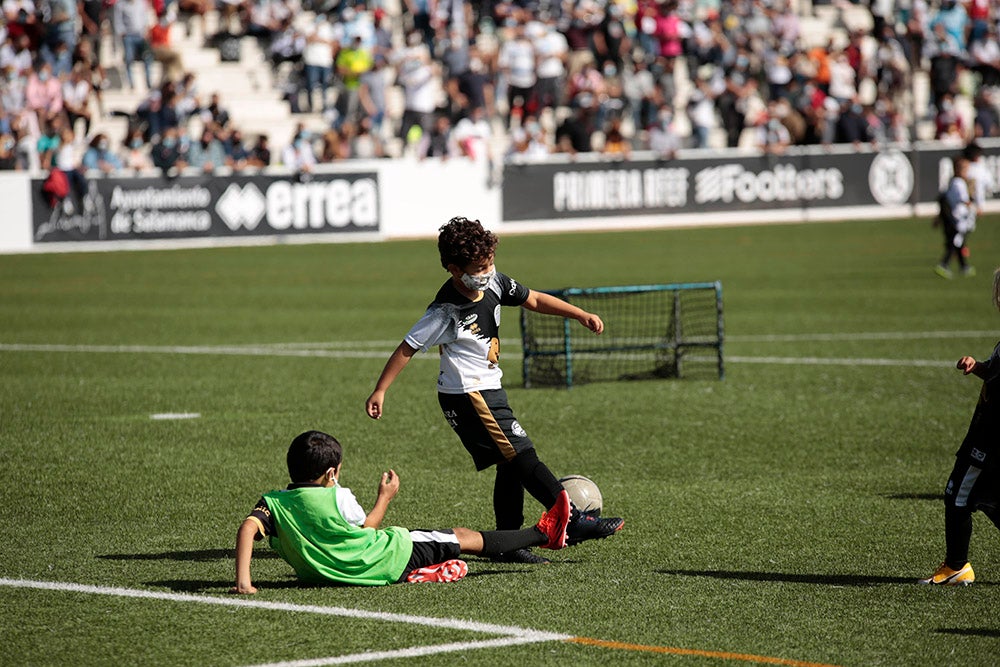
(235, 350)
(412, 652)
(875, 335)
(513, 635)
(761, 338)
(337, 345)
(234, 601)
(824, 361)
(160, 416)
(258, 351)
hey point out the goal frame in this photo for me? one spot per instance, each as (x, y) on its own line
(677, 344)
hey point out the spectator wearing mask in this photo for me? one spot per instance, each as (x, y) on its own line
(260, 153)
(552, 51)
(236, 150)
(371, 93)
(207, 154)
(852, 127)
(417, 77)
(664, 139)
(574, 134)
(517, 64)
(76, 98)
(352, 63)
(100, 157)
(318, 59)
(168, 154)
(60, 36)
(439, 142)
(134, 155)
(49, 143)
(299, 155)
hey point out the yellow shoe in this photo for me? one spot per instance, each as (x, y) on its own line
(945, 576)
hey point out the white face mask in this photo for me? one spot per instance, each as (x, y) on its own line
(478, 282)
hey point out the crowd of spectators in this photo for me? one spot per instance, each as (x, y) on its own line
(579, 76)
(570, 76)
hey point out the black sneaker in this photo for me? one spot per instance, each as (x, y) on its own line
(521, 556)
(583, 526)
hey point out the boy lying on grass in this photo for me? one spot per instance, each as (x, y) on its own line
(319, 528)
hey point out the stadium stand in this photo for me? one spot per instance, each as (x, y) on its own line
(581, 75)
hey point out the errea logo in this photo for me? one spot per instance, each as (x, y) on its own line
(241, 206)
(316, 205)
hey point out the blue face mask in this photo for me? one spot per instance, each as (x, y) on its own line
(169, 142)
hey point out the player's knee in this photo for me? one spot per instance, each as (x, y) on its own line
(469, 541)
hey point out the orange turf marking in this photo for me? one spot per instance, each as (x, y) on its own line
(721, 655)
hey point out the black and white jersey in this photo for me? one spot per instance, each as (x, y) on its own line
(468, 333)
(980, 446)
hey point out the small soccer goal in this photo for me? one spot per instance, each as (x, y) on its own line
(650, 331)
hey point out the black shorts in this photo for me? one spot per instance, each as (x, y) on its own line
(431, 547)
(486, 425)
(973, 488)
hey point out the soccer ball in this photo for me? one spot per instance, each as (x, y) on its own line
(583, 493)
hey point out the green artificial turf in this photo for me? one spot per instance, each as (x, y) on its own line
(783, 513)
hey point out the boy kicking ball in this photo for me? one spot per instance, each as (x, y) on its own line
(463, 322)
(318, 527)
(975, 480)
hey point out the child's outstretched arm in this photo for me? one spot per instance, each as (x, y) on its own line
(969, 365)
(547, 304)
(244, 553)
(396, 363)
(388, 486)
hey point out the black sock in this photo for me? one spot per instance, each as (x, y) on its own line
(504, 541)
(536, 478)
(957, 534)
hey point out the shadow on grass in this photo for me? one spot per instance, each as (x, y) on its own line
(782, 577)
(519, 566)
(223, 585)
(196, 555)
(969, 632)
(915, 496)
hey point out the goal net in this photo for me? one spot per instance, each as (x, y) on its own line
(650, 331)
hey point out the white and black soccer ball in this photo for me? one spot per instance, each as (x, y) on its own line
(583, 493)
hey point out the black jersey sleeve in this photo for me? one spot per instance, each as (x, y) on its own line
(512, 293)
(261, 515)
(991, 369)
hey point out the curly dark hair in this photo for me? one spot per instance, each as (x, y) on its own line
(463, 241)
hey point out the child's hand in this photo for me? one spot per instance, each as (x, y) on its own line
(243, 589)
(388, 486)
(592, 322)
(966, 365)
(373, 406)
